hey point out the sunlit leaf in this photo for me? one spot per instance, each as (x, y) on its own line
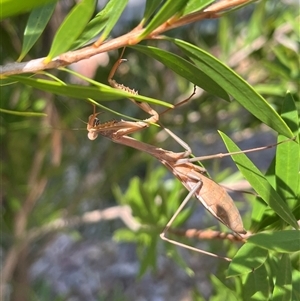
(283, 284)
(28, 114)
(95, 26)
(149, 260)
(256, 285)
(71, 28)
(37, 21)
(113, 10)
(259, 183)
(286, 241)
(288, 156)
(247, 259)
(234, 85)
(168, 10)
(185, 69)
(9, 7)
(101, 92)
(196, 5)
(223, 290)
(151, 6)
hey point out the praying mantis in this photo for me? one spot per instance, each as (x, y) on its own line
(212, 196)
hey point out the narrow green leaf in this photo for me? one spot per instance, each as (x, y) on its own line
(95, 26)
(168, 10)
(288, 156)
(247, 259)
(27, 114)
(233, 84)
(151, 6)
(150, 258)
(259, 183)
(270, 218)
(113, 9)
(286, 60)
(196, 5)
(225, 24)
(270, 89)
(286, 241)
(134, 199)
(71, 28)
(283, 285)
(185, 69)
(287, 176)
(37, 21)
(257, 21)
(256, 285)
(259, 211)
(101, 92)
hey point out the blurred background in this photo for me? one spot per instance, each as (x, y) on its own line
(75, 190)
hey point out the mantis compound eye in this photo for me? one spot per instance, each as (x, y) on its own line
(96, 122)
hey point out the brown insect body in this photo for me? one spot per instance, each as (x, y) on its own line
(212, 196)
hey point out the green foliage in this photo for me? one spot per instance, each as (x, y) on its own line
(37, 21)
(50, 171)
(140, 196)
(9, 7)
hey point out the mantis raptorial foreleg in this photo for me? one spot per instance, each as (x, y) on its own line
(120, 128)
(143, 105)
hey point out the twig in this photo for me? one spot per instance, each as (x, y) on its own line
(210, 235)
(128, 39)
(121, 212)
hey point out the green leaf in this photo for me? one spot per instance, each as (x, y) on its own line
(185, 69)
(92, 29)
(37, 21)
(247, 259)
(286, 180)
(296, 281)
(168, 10)
(283, 285)
(10, 8)
(196, 5)
(27, 114)
(103, 92)
(226, 292)
(286, 241)
(256, 285)
(151, 6)
(259, 213)
(288, 156)
(150, 258)
(113, 9)
(234, 85)
(125, 235)
(259, 183)
(71, 28)
(270, 89)
(257, 21)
